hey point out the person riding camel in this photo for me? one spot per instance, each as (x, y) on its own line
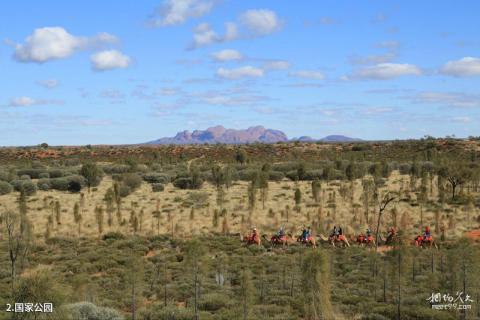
(281, 232)
(254, 234)
(369, 236)
(304, 234)
(334, 232)
(427, 236)
(391, 234)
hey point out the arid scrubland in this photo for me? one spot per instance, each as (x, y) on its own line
(153, 233)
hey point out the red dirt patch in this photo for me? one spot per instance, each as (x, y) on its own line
(474, 234)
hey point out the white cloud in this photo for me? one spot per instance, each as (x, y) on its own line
(252, 23)
(49, 83)
(327, 21)
(450, 99)
(227, 55)
(51, 43)
(174, 12)
(204, 35)
(231, 31)
(373, 59)
(261, 21)
(462, 119)
(168, 91)
(112, 94)
(465, 67)
(22, 102)
(276, 65)
(241, 72)
(377, 110)
(109, 59)
(308, 74)
(25, 101)
(385, 71)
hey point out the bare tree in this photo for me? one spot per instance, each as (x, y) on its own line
(387, 198)
(18, 241)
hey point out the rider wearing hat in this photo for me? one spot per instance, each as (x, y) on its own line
(427, 235)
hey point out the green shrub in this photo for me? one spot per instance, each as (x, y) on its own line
(157, 187)
(87, 310)
(44, 175)
(5, 188)
(113, 236)
(313, 174)
(60, 184)
(132, 180)
(56, 173)
(155, 177)
(116, 168)
(32, 173)
(72, 183)
(44, 184)
(26, 185)
(124, 190)
(4, 175)
(187, 183)
(276, 175)
(213, 302)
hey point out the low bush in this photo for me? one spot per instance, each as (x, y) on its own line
(5, 187)
(156, 177)
(132, 180)
(26, 185)
(87, 310)
(158, 187)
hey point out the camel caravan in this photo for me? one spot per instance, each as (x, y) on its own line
(338, 239)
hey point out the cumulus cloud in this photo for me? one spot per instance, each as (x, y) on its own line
(175, 12)
(251, 24)
(386, 71)
(49, 83)
(25, 101)
(227, 55)
(241, 72)
(204, 35)
(260, 21)
(308, 74)
(52, 43)
(465, 67)
(109, 59)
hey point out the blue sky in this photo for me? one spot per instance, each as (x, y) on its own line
(111, 72)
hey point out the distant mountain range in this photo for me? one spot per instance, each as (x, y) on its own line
(219, 134)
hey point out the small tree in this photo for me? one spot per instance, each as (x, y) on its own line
(58, 211)
(456, 174)
(316, 284)
(18, 241)
(92, 174)
(298, 197)
(316, 189)
(246, 291)
(194, 253)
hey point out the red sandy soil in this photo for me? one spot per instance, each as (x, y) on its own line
(474, 234)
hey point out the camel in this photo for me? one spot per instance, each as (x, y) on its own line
(251, 239)
(275, 240)
(420, 241)
(341, 240)
(363, 240)
(310, 241)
